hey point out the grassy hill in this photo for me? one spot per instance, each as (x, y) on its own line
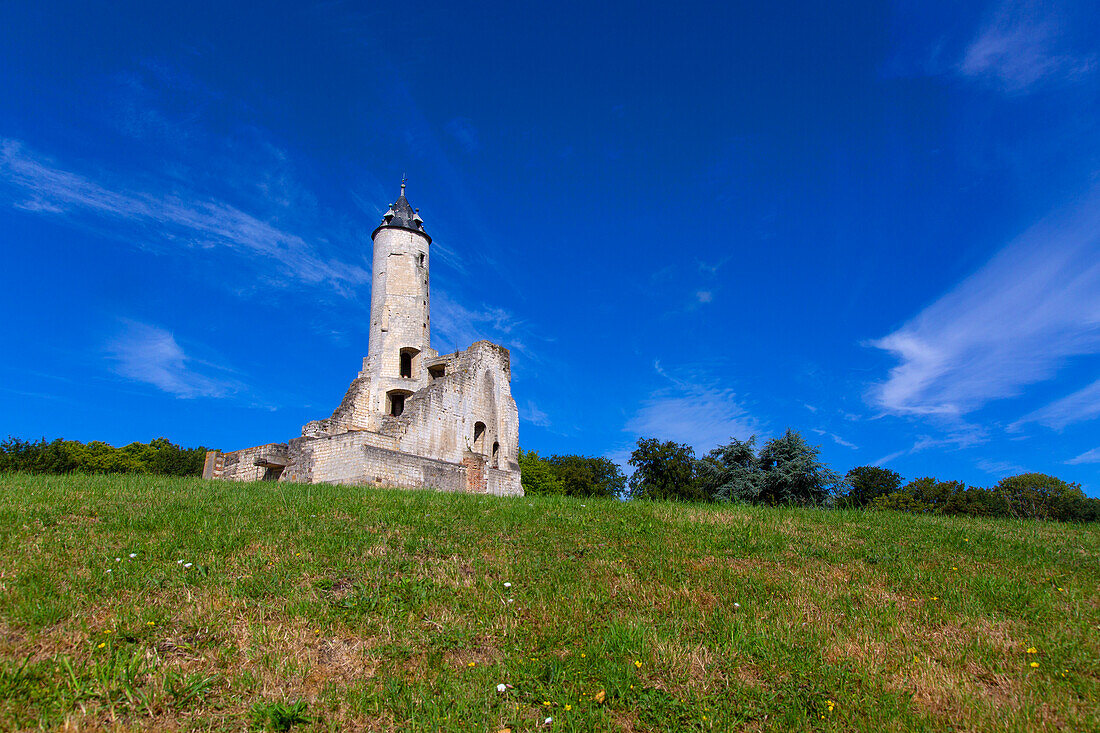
(388, 610)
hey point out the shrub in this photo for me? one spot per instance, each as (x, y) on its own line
(570, 475)
(588, 476)
(1039, 496)
(159, 456)
(537, 475)
(900, 501)
(868, 483)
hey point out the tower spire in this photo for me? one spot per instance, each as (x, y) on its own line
(402, 215)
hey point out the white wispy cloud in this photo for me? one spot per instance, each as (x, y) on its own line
(704, 296)
(1089, 456)
(1012, 323)
(454, 326)
(889, 457)
(999, 468)
(530, 413)
(835, 438)
(1084, 404)
(170, 215)
(1022, 45)
(150, 354)
(694, 410)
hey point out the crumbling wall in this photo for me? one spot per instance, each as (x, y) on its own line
(261, 463)
(358, 458)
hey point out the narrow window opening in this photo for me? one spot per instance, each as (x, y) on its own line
(421, 259)
(408, 362)
(479, 437)
(496, 454)
(395, 402)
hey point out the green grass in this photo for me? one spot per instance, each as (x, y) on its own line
(332, 607)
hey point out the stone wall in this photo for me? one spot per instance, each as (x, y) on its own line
(411, 418)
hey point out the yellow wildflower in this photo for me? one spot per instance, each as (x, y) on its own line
(1032, 650)
(101, 645)
(638, 665)
(472, 664)
(568, 708)
(1034, 664)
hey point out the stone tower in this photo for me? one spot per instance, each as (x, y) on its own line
(411, 418)
(400, 320)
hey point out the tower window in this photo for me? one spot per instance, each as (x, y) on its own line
(421, 259)
(395, 401)
(405, 366)
(479, 437)
(496, 454)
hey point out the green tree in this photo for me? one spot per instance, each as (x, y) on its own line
(1039, 496)
(665, 471)
(866, 483)
(731, 472)
(793, 474)
(588, 476)
(537, 475)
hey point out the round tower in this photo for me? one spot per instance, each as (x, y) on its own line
(400, 327)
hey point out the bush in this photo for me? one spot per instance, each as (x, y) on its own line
(1039, 496)
(1027, 496)
(900, 501)
(570, 475)
(159, 456)
(867, 483)
(537, 475)
(588, 476)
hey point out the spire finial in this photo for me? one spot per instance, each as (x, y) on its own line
(403, 179)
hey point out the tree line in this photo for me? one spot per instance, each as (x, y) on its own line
(786, 470)
(159, 456)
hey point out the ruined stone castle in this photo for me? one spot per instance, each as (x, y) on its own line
(412, 418)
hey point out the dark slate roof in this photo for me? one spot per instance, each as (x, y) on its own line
(402, 216)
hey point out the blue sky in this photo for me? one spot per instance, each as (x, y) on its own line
(876, 223)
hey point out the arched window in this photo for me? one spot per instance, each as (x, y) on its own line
(407, 358)
(479, 437)
(395, 401)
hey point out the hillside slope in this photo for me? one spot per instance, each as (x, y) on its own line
(388, 610)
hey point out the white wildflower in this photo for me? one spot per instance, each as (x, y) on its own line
(133, 555)
(737, 605)
(502, 687)
(186, 565)
(507, 585)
